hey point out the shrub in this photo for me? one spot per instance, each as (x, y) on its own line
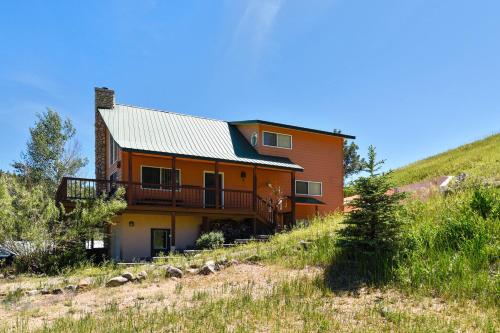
(210, 240)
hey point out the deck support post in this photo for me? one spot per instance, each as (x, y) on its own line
(174, 182)
(172, 235)
(254, 189)
(292, 189)
(217, 186)
(129, 189)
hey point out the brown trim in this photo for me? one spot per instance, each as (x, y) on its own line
(293, 197)
(147, 152)
(217, 185)
(254, 188)
(173, 176)
(129, 176)
(172, 220)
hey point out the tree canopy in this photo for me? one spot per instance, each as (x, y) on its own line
(51, 152)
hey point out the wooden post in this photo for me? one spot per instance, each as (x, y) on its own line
(174, 182)
(172, 235)
(217, 185)
(254, 194)
(293, 197)
(129, 190)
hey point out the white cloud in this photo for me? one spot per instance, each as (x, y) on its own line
(256, 23)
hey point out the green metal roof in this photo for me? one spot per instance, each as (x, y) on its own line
(298, 128)
(308, 200)
(153, 131)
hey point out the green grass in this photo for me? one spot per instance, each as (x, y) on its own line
(450, 253)
(480, 158)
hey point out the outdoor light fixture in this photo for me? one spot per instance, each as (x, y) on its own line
(131, 224)
(243, 175)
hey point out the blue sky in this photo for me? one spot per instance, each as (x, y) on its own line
(413, 78)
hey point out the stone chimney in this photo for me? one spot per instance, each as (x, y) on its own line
(104, 99)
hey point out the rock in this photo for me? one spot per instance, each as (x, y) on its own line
(172, 271)
(70, 287)
(11, 277)
(175, 278)
(32, 292)
(84, 284)
(2, 276)
(45, 291)
(305, 244)
(57, 291)
(129, 276)
(234, 262)
(142, 276)
(116, 281)
(208, 268)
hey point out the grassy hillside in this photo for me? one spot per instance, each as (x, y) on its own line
(446, 279)
(480, 158)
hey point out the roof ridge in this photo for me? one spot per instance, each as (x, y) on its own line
(172, 112)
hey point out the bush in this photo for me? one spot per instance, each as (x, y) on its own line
(210, 240)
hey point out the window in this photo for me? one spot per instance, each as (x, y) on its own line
(277, 140)
(308, 188)
(159, 178)
(113, 150)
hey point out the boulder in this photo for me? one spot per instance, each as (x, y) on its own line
(45, 291)
(57, 291)
(84, 284)
(116, 281)
(32, 292)
(142, 276)
(171, 271)
(208, 268)
(129, 276)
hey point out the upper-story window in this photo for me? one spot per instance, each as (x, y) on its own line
(303, 187)
(279, 140)
(113, 150)
(159, 178)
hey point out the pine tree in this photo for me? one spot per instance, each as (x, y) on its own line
(372, 228)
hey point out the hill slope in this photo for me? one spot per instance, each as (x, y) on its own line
(480, 158)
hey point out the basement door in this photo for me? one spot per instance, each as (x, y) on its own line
(160, 242)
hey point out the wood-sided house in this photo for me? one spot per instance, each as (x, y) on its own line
(182, 172)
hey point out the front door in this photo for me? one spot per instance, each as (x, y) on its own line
(160, 242)
(210, 195)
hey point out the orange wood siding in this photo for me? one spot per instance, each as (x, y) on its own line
(320, 155)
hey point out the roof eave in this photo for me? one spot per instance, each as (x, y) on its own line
(195, 157)
(298, 128)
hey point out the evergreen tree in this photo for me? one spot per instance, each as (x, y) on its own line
(353, 163)
(51, 152)
(372, 227)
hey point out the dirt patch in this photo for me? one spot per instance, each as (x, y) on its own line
(153, 293)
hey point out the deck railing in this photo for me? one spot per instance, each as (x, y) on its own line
(187, 196)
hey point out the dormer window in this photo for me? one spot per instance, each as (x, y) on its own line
(113, 150)
(278, 140)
